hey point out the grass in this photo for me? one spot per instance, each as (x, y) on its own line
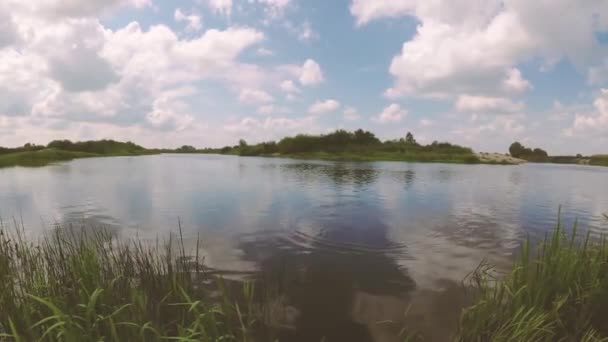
(599, 160)
(48, 156)
(558, 293)
(89, 287)
(79, 286)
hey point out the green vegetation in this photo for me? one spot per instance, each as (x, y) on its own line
(538, 155)
(40, 157)
(79, 286)
(518, 150)
(89, 287)
(560, 293)
(358, 146)
(63, 150)
(600, 160)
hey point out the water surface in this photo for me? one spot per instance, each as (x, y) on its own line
(342, 249)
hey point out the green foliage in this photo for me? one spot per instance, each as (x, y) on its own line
(26, 148)
(409, 139)
(357, 145)
(40, 157)
(104, 147)
(185, 149)
(63, 150)
(558, 294)
(599, 160)
(89, 287)
(518, 150)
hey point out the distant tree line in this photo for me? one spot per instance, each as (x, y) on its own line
(517, 150)
(97, 147)
(339, 141)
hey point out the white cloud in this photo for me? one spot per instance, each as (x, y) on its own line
(74, 8)
(322, 107)
(76, 70)
(266, 110)
(264, 129)
(514, 82)
(426, 122)
(469, 46)
(306, 32)
(274, 8)
(311, 73)
(308, 74)
(272, 109)
(478, 104)
(351, 114)
(289, 87)
(194, 21)
(597, 75)
(596, 121)
(263, 52)
(220, 6)
(8, 29)
(254, 96)
(391, 114)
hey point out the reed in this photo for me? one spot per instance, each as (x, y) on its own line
(557, 291)
(88, 286)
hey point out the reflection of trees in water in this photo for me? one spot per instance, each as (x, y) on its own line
(338, 173)
(336, 284)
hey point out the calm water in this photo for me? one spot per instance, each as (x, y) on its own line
(339, 247)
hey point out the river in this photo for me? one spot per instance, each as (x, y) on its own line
(339, 246)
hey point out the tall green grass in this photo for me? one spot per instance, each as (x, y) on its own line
(555, 292)
(89, 287)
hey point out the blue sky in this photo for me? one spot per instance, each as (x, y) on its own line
(209, 72)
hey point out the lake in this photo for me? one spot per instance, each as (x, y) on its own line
(342, 249)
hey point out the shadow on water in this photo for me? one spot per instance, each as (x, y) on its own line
(341, 283)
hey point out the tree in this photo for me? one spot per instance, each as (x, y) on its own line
(516, 149)
(242, 143)
(409, 139)
(540, 153)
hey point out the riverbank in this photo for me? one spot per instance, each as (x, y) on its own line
(31, 155)
(75, 286)
(382, 156)
(51, 155)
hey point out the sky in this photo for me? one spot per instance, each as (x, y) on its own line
(481, 73)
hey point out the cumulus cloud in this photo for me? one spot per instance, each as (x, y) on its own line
(351, 114)
(391, 114)
(597, 75)
(76, 70)
(263, 129)
(8, 29)
(481, 104)
(458, 50)
(311, 73)
(289, 87)
(263, 52)
(194, 21)
(596, 121)
(220, 6)
(254, 96)
(74, 8)
(323, 107)
(426, 122)
(307, 74)
(514, 82)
